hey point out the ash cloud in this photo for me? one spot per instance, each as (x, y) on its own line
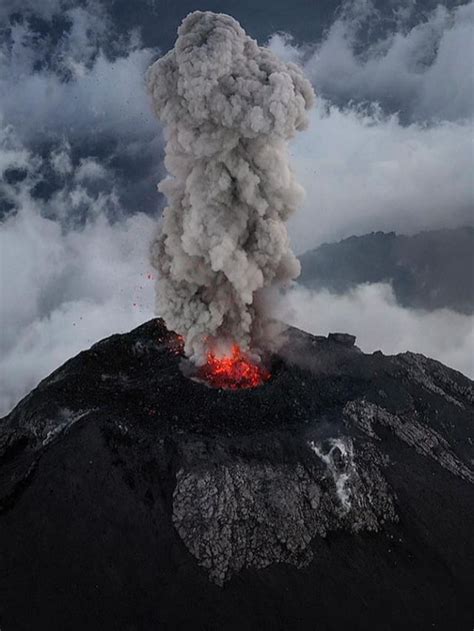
(229, 107)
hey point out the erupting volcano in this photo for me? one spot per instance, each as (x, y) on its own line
(233, 372)
(229, 108)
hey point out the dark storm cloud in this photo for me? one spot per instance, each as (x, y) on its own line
(424, 72)
(71, 77)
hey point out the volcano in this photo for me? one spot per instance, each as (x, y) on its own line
(337, 494)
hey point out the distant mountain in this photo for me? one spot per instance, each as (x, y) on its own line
(336, 496)
(429, 270)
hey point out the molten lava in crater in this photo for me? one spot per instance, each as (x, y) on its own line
(233, 372)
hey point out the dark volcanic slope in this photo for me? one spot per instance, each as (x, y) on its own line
(337, 496)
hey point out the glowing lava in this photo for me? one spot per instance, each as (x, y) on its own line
(233, 372)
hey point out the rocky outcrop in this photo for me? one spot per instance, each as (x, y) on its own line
(249, 514)
(342, 338)
(425, 440)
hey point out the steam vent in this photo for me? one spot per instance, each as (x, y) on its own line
(336, 495)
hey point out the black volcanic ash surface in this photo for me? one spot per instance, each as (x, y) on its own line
(337, 496)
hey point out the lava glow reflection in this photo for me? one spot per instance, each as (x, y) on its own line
(233, 372)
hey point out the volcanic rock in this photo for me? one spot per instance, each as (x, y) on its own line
(342, 338)
(337, 495)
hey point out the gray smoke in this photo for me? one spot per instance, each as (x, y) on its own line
(229, 108)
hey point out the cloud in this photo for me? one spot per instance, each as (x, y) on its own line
(64, 284)
(78, 146)
(365, 171)
(106, 99)
(45, 8)
(422, 70)
(390, 143)
(61, 292)
(78, 81)
(372, 314)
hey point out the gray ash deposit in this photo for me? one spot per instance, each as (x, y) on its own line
(337, 495)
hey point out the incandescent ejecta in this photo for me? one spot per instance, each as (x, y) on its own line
(229, 108)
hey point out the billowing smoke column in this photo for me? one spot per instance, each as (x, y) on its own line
(229, 108)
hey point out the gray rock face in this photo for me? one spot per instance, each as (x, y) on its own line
(436, 378)
(249, 514)
(337, 495)
(342, 338)
(425, 440)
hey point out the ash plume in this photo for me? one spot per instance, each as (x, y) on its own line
(229, 107)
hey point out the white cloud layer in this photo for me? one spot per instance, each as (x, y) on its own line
(372, 314)
(73, 267)
(365, 172)
(62, 292)
(398, 154)
(107, 98)
(83, 86)
(424, 71)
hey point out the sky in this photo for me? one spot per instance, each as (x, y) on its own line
(389, 147)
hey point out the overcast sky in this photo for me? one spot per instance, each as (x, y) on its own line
(389, 147)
